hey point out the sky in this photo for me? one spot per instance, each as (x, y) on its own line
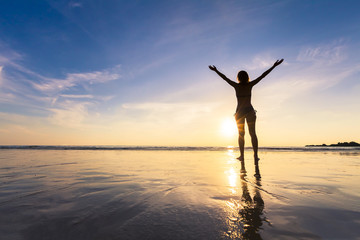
(136, 72)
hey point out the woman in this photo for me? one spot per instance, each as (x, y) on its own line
(244, 109)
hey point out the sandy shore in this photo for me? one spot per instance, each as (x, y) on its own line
(71, 194)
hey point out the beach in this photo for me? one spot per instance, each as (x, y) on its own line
(179, 194)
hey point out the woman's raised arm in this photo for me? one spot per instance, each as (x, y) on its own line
(277, 63)
(213, 68)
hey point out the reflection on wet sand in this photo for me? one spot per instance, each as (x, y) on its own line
(72, 194)
(249, 216)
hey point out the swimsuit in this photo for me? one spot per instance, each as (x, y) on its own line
(242, 112)
(244, 108)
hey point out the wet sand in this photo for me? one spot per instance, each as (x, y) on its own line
(87, 194)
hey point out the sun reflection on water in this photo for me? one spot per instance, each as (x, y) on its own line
(232, 178)
(230, 151)
(246, 215)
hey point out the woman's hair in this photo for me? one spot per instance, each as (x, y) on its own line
(243, 77)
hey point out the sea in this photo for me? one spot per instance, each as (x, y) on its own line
(178, 148)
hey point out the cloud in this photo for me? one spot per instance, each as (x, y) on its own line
(70, 114)
(7, 97)
(7, 54)
(167, 113)
(262, 61)
(20, 79)
(58, 100)
(324, 66)
(316, 71)
(310, 80)
(76, 96)
(17, 73)
(1, 67)
(75, 5)
(328, 54)
(14, 118)
(313, 74)
(159, 106)
(52, 86)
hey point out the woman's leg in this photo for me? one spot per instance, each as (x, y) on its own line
(240, 122)
(251, 121)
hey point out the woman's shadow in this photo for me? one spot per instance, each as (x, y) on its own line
(251, 215)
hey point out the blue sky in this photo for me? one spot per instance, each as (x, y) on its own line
(135, 72)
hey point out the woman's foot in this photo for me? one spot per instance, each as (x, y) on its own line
(241, 158)
(257, 176)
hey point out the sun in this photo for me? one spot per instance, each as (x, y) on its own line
(228, 127)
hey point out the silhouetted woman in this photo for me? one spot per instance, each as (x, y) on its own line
(244, 109)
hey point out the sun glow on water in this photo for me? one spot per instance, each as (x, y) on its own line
(232, 179)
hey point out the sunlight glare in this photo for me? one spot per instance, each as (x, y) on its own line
(230, 153)
(232, 178)
(228, 127)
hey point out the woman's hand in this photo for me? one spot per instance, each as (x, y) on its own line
(278, 62)
(212, 67)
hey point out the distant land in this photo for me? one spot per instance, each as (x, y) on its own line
(339, 144)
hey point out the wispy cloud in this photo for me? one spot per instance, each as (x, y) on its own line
(76, 96)
(66, 105)
(261, 61)
(310, 75)
(70, 114)
(168, 113)
(18, 77)
(75, 4)
(14, 118)
(159, 106)
(328, 54)
(1, 67)
(7, 54)
(52, 86)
